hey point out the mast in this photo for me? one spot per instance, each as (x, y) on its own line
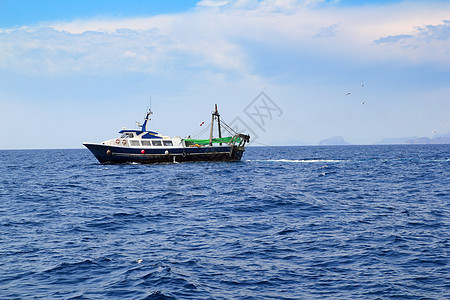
(215, 114)
(147, 118)
(211, 131)
(218, 124)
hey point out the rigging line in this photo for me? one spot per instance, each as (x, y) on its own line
(228, 127)
(201, 131)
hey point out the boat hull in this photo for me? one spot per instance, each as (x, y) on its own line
(106, 154)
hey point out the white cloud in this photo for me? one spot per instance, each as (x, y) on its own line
(392, 39)
(211, 3)
(435, 32)
(439, 32)
(223, 37)
(328, 31)
(423, 45)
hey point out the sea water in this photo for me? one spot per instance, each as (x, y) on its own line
(351, 222)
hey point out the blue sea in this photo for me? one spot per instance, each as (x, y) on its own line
(350, 222)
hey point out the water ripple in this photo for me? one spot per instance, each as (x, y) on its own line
(355, 222)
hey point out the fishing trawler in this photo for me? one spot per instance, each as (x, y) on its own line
(146, 146)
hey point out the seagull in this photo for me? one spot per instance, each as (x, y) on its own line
(349, 93)
(434, 131)
(363, 102)
(362, 84)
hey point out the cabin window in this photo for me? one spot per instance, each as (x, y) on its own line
(127, 135)
(134, 143)
(167, 143)
(145, 143)
(156, 143)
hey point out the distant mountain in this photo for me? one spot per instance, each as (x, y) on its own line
(334, 141)
(426, 140)
(440, 140)
(442, 135)
(395, 141)
(420, 140)
(436, 139)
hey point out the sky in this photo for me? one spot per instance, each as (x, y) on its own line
(289, 72)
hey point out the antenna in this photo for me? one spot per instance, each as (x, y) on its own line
(147, 116)
(149, 107)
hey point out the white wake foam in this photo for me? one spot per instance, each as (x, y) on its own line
(297, 160)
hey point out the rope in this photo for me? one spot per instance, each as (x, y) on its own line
(225, 126)
(228, 128)
(201, 132)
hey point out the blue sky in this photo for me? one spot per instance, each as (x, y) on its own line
(29, 12)
(74, 71)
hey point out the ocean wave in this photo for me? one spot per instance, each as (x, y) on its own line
(339, 223)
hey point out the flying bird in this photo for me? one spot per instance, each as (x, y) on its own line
(362, 84)
(434, 131)
(349, 93)
(364, 102)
